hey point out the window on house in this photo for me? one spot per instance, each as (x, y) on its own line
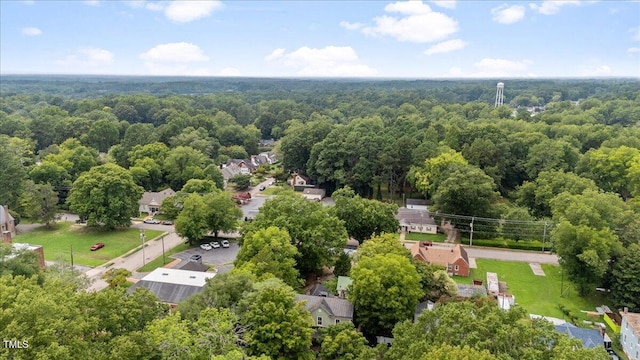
(449, 267)
(625, 338)
(456, 268)
(319, 321)
(337, 321)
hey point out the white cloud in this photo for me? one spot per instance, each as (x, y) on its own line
(551, 7)
(416, 23)
(596, 70)
(351, 26)
(87, 57)
(186, 11)
(330, 61)
(181, 52)
(456, 71)
(505, 14)
(633, 50)
(31, 31)
(445, 47)
(275, 54)
(489, 67)
(447, 4)
(230, 72)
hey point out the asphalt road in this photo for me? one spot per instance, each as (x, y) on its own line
(220, 258)
(511, 255)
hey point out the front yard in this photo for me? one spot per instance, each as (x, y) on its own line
(538, 294)
(58, 241)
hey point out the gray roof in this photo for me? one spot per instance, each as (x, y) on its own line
(466, 290)
(425, 305)
(335, 306)
(411, 216)
(417, 202)
(156, 198)
(230, 171)
(320, 290)
(192, 265)
(166, 292)
(314, 191)
(590, 337)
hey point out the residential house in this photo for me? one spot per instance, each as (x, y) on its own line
(344, 282)
(264, 158)
(327, 310)
(318, 289)
(299, 180)
(314, 194)
(455, 258)
(630, 334)
(192, 266)
(38, 249)
(416, 220)
(590, 338)
(417, 204)
(420, 308)
(229, 171)
(171, 286)
(266, 143)
(7, 224)
(151, 201)
(246, 166)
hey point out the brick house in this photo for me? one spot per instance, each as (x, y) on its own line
(454, 259)
(7, 224)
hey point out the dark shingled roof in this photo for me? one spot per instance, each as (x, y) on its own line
(590, 337)
(167, 293)
(337, 307)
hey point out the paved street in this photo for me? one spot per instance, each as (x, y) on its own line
(512, 255)
(221, 258)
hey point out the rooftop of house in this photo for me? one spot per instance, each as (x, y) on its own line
(192, 266)
(412, 216)
(178, 276)
(156, 198)
(442, 255)
(425, 305)
(319, 290)
(5, 216)
(314, 191)
(633, 319)
(336, 307)
(590, 337)
(417, 202)
(468, 290)
(343, 283)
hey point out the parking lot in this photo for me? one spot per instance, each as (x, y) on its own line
(221, 258)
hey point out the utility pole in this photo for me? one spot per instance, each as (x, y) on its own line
(72, 256)
(544, 235)
(163, 260)
(471, 234)
(144, 258)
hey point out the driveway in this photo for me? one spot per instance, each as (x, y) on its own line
(221, 258)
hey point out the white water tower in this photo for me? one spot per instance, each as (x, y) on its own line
(500, 95)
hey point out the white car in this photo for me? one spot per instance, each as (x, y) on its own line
(205, 247)
(215, 244)
(225, 244)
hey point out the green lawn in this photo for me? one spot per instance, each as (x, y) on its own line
(58, 240)
(425, 237)
(156, 263)
(538, 294)
(276, 189)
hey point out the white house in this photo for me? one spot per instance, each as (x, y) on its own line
(151, 201)
(630, 334)
(417, 204)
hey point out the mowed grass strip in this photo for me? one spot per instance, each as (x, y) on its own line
(58, 240)
(538, 294)
(157, 262)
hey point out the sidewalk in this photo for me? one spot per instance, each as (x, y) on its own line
(134, 261)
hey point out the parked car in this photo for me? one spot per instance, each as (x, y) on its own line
(196, 258)
(151, 221)
(97, 246)
(167, 222)
(205, 247)
(225, 243)
(261, 188)
(215, 244)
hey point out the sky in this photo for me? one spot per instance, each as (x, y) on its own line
(405, 39)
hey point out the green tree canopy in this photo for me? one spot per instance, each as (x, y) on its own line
(106, 196)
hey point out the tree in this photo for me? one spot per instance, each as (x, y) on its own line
(191, 223)
(435, 170)
(268, 253)
(385, 290)
(242, 181)
(106, 196)
(40, 203)
(343, 265)
(269, 312)
(466, 191)
(19, 262)
(625, 287)
(584, 253)
(343, 342)
(317, 234)
(483, 328)
(171, 206)
(222, 214)
(551, 154)
(116, 277)
(103, 134)
(609, 168)
(385, 244)
(11, 177)
(364, 218)
(182, 164)
(223, 291)
(198, 186)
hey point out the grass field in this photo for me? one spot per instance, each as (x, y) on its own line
(58, 240)
(156, 263)
(538, 294)
(425, 237)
